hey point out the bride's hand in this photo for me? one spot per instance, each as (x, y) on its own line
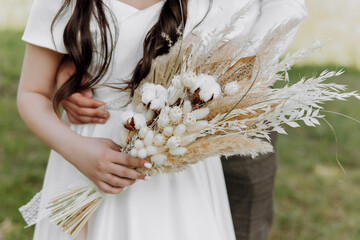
(102, 162)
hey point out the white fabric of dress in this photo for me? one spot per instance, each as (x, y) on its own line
(191, 205)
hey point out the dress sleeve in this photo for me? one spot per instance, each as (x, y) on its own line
(275, 12)
(38, 28)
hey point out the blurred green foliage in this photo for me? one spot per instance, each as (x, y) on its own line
(311, 199)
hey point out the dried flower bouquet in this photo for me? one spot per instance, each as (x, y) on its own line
(207, 97)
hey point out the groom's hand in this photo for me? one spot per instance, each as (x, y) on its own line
(80, 107)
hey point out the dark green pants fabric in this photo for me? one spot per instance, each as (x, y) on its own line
(250, 184)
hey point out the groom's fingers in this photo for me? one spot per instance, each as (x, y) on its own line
(83, 114)
(82, 100)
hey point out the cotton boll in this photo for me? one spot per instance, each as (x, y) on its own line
(208, 87)
(205, 95)
(159, 140)
(158, 159)
(176, 82)
(168, 131)
(190, 119)
(143, 131)
(179, 151)
(140, 108)
(175, 114)
(160, 90)
(197, 84)
(166, 110)
(126, 116)
(149, 115)
(201, 113)
(151, 150)
(209, 91)
(130, 107)
(180, 130)
(139, 120)
(163, 97)
(173, 142)
(142, 153)
(138, 144)
(157, 104)
(148, 93)
(187, 108)
(134, 152)
(149, 138)
(231, 88)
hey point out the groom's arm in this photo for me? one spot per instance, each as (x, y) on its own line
(275, 12)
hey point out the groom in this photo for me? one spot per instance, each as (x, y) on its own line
(249, 182)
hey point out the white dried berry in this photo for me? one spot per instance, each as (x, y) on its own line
(189, 79)
(190, 119)
(159, 140)
(149, 137)
(143, 131)
(142, 153)
(151, 150)
(180, 130)
(163, 120)
(158, 159)
(187, 108)
(179, 151)
(231, 88)
(176, 82)
(173, 142)
(134, 152)
(175, 114)
(168, 131)
(200, 113)
(138, 144)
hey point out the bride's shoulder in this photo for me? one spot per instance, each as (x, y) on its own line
(42, 30)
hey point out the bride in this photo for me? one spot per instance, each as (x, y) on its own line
(113, 41)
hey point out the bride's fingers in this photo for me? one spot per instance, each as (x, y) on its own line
(107, 188)
(123, 171)
(129, 161)
(116, 181)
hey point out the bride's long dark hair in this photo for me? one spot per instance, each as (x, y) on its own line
(81, 46)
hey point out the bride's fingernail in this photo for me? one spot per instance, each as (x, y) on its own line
(125, 188)
(147, 178)
(148, 165)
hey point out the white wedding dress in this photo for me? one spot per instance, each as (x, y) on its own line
(191, 205)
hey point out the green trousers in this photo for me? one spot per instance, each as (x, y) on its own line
(250, 185)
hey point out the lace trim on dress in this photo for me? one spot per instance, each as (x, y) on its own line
(30, 211)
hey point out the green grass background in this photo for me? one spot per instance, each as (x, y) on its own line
(311, 199)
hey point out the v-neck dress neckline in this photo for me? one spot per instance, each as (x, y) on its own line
(124, 11)
(137, 9)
